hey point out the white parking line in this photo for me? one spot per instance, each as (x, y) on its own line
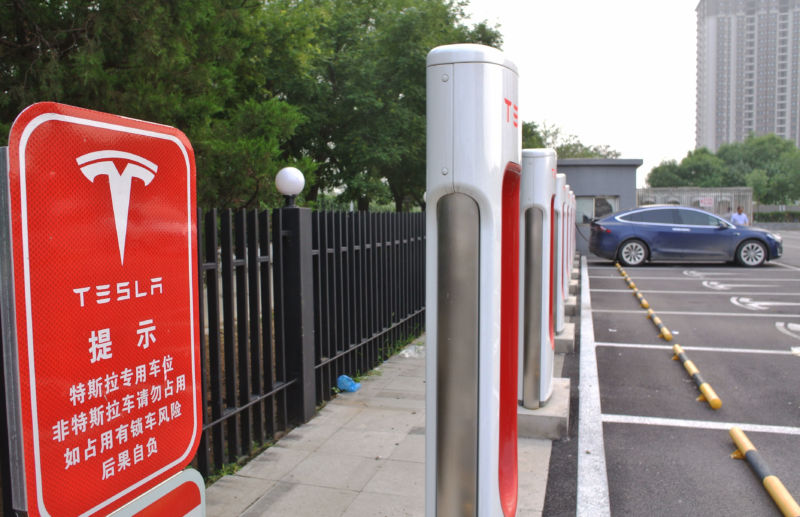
(592, 497)
(656, 291)
(698, 348)
(690, 279)
(685, 313)
(795, 268)
(699, 424)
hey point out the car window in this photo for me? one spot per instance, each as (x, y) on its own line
(658, 215)
(697, 218)
(637, 217)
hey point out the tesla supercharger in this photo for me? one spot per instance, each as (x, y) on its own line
(561, 180)
(566, 259)
(573, 229)
(472, 267)
(537, 329)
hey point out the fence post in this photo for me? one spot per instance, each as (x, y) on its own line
(294, 306)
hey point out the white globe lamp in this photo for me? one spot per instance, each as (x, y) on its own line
(290, 182)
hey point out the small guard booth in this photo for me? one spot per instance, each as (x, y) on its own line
(472, 267)
(537, 259)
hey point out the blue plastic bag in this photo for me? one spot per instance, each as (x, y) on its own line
(345, 383)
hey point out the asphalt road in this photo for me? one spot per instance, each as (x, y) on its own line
(666, 453)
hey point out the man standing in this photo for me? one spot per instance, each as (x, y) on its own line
(740, 218)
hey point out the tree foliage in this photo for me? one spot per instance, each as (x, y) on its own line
(569, 146)
(768, 163)
(334, 87)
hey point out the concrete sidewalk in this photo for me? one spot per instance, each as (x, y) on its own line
(363, 455)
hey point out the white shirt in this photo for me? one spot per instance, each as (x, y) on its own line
(737, 218)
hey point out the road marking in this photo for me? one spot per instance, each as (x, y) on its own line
(699, 424)
(701, 274)
(684, 313)
(726, 350)
(790, 329)
(657, 291)
(592, 497)
(674, 278)
(753, 305)
(795, 268)
(719, 286)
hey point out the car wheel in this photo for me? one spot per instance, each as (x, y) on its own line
(751, 253)
(633, 253)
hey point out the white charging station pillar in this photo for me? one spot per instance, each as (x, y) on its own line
(537, 334)
(561, 180)
(472, 282)
(566, 259)
(572, 233)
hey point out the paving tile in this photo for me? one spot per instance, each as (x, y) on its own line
(290, 499)
(231, 495)
(333, 413)
(367, 444)
(308, 437)
(389, 420)
(412, 448)
(397, 400)
(274, 463)
(334, 471)
(407, 383)
(402, 478)
(385, 505)
(533, 463)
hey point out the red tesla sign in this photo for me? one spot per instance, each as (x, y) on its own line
(103, 232)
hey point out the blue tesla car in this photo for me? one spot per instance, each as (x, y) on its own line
(671, 232)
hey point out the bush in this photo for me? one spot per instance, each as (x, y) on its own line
(777, 217)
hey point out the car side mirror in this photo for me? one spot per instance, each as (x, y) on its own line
(722, 225)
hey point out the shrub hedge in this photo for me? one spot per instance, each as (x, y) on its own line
(777, 217)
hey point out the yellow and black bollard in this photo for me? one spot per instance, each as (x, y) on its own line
(641, 299)
(746, 450)
(664, 332)
(707, 392)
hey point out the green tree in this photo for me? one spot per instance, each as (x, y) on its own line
(194, 65)
(569, 146)
(365, 111)
(667, 174)
(769, 164)
(531, 136)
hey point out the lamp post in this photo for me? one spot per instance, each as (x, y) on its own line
(294, 308)
(290, 183)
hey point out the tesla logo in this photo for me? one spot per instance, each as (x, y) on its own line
(100, 163)
(509, 113)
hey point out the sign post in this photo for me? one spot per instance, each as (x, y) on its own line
(100, 321)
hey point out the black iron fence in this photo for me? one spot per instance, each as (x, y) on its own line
(344, 289)
(289, 303)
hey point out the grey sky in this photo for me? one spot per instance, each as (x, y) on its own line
(615, 72)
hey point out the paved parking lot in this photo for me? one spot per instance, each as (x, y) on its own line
(646, 445)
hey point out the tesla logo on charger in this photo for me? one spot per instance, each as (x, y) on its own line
(509, 113)
(100, 163)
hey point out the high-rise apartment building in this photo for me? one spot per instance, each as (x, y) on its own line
(748, 70)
